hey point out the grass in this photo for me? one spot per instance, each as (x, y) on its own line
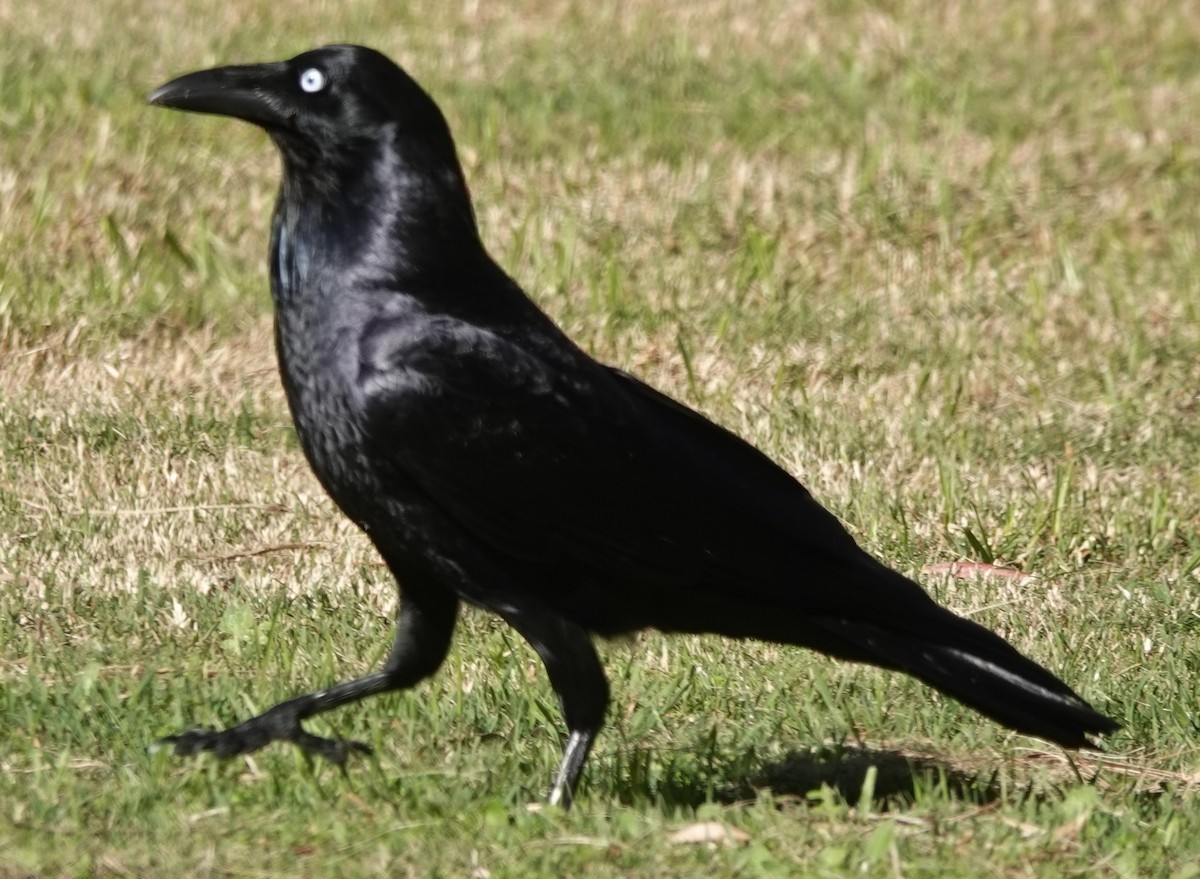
(940, 260)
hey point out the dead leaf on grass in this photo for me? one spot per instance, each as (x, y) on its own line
(708, 832)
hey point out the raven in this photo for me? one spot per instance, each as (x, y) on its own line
(492, 461)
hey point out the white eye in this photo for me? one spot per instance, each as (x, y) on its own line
(312, 80)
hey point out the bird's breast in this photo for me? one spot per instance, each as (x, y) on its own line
(314, 354)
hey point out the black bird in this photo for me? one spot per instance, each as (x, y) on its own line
(492, 461)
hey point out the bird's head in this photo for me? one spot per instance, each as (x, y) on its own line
(316, 106)
(355, 131)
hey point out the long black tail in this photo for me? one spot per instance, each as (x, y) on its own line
(978, 668)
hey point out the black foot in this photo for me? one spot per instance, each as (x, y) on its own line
(274, 725)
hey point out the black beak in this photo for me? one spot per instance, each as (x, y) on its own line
(253, 92)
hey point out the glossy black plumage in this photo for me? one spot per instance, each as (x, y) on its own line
(492, 461)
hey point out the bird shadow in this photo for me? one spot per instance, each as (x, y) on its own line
(888, 778)
(898, 777)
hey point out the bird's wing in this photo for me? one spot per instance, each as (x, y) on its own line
(547, 456)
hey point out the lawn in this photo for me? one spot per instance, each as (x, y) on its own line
(941, 260)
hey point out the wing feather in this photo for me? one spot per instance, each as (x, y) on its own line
(550, 458)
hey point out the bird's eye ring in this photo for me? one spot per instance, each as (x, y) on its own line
(312, 80)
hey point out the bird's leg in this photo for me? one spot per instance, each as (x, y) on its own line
(423, 629)
(575, 754)
(578, 679)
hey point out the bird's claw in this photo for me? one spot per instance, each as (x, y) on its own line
(256, 733)
(333, 750)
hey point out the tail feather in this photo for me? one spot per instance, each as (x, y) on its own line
(980, 669)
